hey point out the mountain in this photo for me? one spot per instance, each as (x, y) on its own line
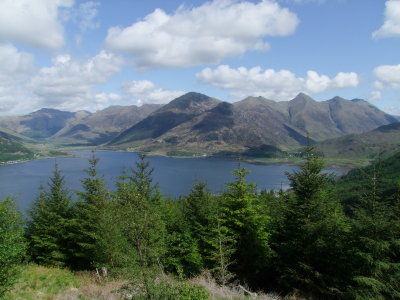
(103, 125)
(167, 118)
(42, 123)
(382, 141)
(196, 122)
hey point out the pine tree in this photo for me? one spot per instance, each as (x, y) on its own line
(50, 224)
(247, 228)
(376, 249)
(310, 243)
(221, 254)
(140, 222)
(12, 243)
(90, 214)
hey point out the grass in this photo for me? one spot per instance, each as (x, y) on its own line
(38, 282)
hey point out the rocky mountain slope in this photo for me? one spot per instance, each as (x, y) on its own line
(196, 122)
(80, 127)
(103, 125)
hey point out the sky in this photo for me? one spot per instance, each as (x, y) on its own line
(88, 55)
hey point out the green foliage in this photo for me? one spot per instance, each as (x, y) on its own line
(311, 236)
(12, 244)
(376, 250)
(246, 228)
(90, 214)
(51, 224)
(140, 229)
(182, 255)
(167, 289)
(356, 181)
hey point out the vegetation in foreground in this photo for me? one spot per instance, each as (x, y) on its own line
(309, 242)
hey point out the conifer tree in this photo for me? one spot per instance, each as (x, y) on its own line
(310, 244)
(376, 249)
(246, 227)
(140, 220)
(221, 253)
(49, 228)
(90, 214)
(12, 243)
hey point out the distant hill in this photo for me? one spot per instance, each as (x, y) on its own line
(101, 126)
(382, 141)
(11, 149)
(196, 122)
(82, 127)
(42, 123)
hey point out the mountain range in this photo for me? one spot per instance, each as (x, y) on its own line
(198, 123)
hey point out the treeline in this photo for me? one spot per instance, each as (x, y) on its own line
(307, 241)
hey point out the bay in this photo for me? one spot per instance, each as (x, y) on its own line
(175, 176)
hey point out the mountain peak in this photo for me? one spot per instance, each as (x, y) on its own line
(337, 98)
(191, 101)
(301, 97)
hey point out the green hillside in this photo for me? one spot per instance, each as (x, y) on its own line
(11, 150)
(383, 141)
(384, 173)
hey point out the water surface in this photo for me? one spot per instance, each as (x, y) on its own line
(175, 176)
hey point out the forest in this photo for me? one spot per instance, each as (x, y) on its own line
(322, 239)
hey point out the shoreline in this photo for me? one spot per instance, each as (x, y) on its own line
(250, 160)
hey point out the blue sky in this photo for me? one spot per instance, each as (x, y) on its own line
(75, 55)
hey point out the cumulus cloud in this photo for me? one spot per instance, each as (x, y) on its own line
(388, 75)
(276, 85)
(145, 91)
(203, 34)
(32, 22)
(68, 83)
(16, 67)
(391, 25)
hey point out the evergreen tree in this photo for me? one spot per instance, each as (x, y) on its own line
(12, 243)
(140, 222)
(310, 242)
(246, 227)
(376, 248)
(90, 214)
(49, 229)
(222, 252)
(182, 255)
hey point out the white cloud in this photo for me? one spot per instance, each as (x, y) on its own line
(85, 16)
(88, 16)
(276, 85)
(203, 34)
(32, 22)
(391, 26)
(388, 75)
(146, 91)
(68, 83)
(303, 1)
(15, 69)
(375, 96)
